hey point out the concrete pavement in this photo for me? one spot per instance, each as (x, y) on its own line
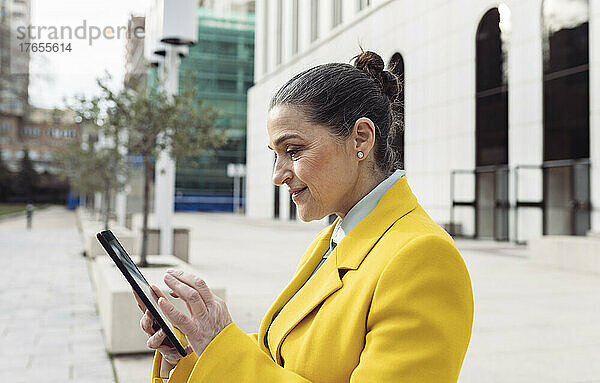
(48, 322)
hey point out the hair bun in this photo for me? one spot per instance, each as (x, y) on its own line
(373, 65)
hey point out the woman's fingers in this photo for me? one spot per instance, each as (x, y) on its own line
(171, 355)
(156, 340)
(179, 319)
(194, 282)
(190, 295)
(140, 304)
(157, 293)
(147, 323)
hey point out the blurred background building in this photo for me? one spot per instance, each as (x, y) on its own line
(28, 135)
(221, 65)
(135, 63)
(14, 61)
(501, 104)
(27, 144)
(44, 131)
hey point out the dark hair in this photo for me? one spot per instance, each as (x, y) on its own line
(336, 95)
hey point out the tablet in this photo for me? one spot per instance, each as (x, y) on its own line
(139, 284)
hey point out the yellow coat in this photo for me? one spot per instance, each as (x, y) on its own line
(393, 303)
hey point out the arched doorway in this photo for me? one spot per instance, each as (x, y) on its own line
(491, 130)
(566, 117)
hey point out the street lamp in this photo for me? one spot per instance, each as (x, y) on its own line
(172, 24)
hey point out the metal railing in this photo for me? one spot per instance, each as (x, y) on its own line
(575, 206)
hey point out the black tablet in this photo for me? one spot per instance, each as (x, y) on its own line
(139, 284)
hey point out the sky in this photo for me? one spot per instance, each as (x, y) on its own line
(58, 75)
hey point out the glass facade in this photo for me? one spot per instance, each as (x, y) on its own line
(491, 131)
(565, 25)
(566, 79)
(491, 92)
(222, 64)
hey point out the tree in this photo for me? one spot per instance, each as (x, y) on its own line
(152, 122)
(27, 178)
(91, 170)
(92, 166)
(181, 125)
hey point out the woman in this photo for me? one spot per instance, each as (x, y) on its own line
(380, 295)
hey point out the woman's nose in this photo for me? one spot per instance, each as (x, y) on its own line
(281, 172)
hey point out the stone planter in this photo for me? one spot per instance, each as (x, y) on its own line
(119, 313)
(181, 242)
(93, 248)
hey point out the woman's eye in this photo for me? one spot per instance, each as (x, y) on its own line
(292, 152)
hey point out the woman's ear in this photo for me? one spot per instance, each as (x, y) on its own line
(363, 135)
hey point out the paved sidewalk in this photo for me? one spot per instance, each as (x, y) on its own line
(49, 327)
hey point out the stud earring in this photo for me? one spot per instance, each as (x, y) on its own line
(360, 154)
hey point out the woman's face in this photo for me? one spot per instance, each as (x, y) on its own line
(318, 169)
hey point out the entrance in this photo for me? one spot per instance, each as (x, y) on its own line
(491, 129)
(567, 198)
(491, 203)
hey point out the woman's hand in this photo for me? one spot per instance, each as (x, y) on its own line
(158, 339)
(208, 313)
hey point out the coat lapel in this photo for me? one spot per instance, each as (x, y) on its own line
(299, 299)
(320, 286)
(312, 258)
(398, 201)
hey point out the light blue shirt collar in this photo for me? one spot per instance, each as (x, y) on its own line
(363, 207)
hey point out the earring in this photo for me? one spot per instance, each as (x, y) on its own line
(360, 154)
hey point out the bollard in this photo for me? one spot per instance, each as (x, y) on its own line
(29, 215)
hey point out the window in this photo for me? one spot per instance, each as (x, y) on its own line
(5, 127)
(295, 30)
(279, 32)
(362, 4)
(314, 20)
(31, 131)
(337, 12)
(491, 125)
(566, 116)
(566, 79)
(61, 133)
(34, 155)
(491, 91)
(6, 154)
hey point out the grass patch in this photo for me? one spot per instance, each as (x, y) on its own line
(10, 208)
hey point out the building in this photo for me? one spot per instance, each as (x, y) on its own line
(501, 104)
(221, 64)
(240, 6)
(14, 58)
(135, 63)
(42, 133)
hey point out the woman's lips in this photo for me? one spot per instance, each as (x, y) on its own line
(299, 193)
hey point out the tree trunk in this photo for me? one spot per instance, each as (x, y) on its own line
(147, 176)
(107, 203)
